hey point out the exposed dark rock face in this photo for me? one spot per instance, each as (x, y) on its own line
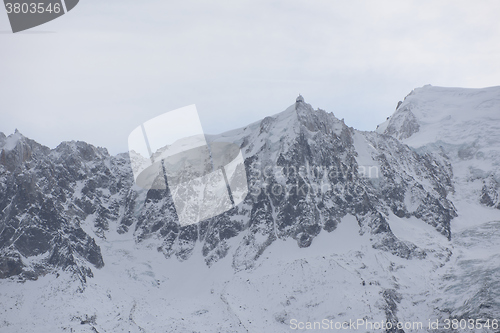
(392, 299)
(303, 170)
(46, 195)
(490, 193)
(303, 183)
(403, 124)
(10, 265)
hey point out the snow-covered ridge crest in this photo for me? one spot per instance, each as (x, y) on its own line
(461, 123)
(451, 115)
(362, 247)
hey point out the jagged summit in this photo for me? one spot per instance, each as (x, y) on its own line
(11, 141)
(86, 184)
(299, 101)
(72, 216)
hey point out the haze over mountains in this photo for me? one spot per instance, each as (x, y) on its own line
(82, 249)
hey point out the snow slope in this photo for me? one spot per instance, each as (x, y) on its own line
(375, 250)
(339, 278)
(463, 125)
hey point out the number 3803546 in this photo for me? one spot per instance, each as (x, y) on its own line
(32, 8)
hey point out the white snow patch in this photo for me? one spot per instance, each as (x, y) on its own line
(11, 141)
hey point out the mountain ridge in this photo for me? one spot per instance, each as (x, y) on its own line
(283, 140)
(315, 210)
(461, 123)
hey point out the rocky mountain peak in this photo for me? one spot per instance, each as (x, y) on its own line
(304, 176)
(16, 149)
(83, 150)
(299, 99)
(328, 206)
(403, 124)
(318, 120)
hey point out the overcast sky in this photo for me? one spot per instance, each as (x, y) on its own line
(101, 70)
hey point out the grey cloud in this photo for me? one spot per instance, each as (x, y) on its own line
(111, 65)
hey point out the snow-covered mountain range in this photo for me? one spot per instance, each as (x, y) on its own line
(399, 225)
